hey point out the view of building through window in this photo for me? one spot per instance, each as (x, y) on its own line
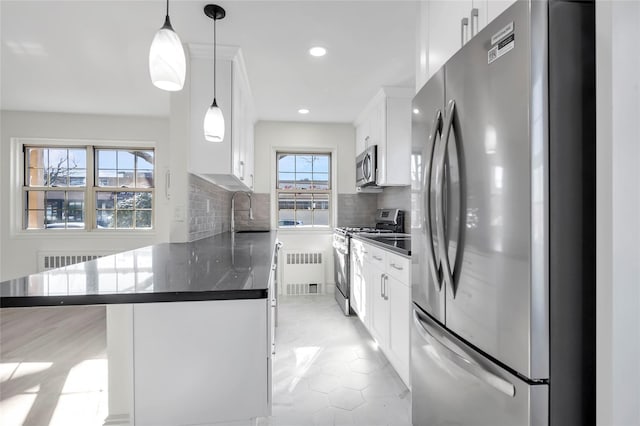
(128, 175)
(303, 189)
(60, 183)
(55, 183)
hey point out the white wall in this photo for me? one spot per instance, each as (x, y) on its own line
(19, 252)
(338, 138)
(618, 189)
(270, 135)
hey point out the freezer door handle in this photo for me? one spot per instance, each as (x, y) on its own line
(434, 264)
(428, 332)
(443, 244)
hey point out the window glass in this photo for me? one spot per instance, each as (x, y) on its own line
(304, 189)
(125, 168)
(56, 188)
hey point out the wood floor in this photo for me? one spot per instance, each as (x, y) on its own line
(53, 367)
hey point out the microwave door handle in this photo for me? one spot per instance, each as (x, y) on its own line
(366, 167)
(440, 214)
(465, 362)
(427, 207)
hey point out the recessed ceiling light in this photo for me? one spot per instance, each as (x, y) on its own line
(317, 51)
(416, 111)
(303, 111)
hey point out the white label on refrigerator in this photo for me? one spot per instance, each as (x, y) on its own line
(501, 48)
(502, 33)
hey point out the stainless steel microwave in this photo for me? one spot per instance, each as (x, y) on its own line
(366, 167)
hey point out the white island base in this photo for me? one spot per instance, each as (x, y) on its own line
(188, 363)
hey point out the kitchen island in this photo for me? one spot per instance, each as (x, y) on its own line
(188, 326)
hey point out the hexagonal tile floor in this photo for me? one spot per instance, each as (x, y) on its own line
(328, 371)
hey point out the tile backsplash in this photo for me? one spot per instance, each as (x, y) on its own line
(205, 221)
(397, 197)
(261, 205)
(210, 208)
(357, 209)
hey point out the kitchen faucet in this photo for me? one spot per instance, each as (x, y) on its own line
(233, 209)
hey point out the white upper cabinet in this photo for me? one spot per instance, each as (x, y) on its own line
(496, 7)
(229, 163)
(449, 25)
(446, 30)
(386, 123)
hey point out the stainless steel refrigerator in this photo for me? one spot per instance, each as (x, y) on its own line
(503, 237)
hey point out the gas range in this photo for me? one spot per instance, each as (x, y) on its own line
(387, 221)
(350, 230)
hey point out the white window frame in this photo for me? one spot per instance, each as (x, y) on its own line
(17, 174)
(333, 165)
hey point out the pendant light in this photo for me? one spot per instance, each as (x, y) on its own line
(167, 63)
(213, 120)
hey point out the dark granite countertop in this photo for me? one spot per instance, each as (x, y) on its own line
(397, 243)
(221, 267)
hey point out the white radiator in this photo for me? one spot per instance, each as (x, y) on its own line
(302, 272)
(52, 260)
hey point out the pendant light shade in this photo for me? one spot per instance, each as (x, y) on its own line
(214, 120)
(167, 64)
(214, 124)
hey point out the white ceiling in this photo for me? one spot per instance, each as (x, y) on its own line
(91, 56)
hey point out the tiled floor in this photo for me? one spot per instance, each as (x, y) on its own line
(328, 370)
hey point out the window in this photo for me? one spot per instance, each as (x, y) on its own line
(61, 182)
(303, 190)
(123, 181)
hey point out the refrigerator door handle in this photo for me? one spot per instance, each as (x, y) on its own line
(426, 216)
(443, 246)
(428, 333)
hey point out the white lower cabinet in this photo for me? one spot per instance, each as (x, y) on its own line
(201, 362)
(380, 307)
(383, 280)
(399, 315)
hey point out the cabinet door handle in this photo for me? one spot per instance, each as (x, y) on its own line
(242, 168)
(464, 31)
(382, 286)
(386, 281)
(399, 268)
(474, 21)
(376, 257)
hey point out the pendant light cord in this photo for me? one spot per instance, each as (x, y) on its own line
(214, 58)
(167, 8)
